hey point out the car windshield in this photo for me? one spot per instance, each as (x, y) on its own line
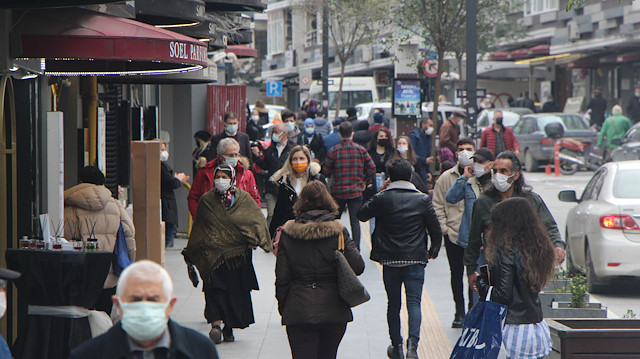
(569, 122)
(625, 184)
(633, 135)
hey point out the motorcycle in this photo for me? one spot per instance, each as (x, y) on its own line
(576, 155)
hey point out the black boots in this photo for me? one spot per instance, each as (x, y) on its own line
(395, 351)
(412, 349)
(458, 320)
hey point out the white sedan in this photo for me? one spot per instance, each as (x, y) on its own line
(602, 234)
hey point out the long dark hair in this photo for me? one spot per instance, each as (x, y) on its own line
(520, 186)
(374, 141)
(515, 224)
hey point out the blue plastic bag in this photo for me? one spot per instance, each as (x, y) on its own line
(121, 258)
(481, 336)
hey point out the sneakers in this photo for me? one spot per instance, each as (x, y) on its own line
(216, 334)
(412, 349)
(395, 352)
(458, 320)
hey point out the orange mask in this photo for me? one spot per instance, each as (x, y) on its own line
(299, 167)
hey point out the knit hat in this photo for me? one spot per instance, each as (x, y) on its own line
(203, 135)
(308, 122)
(351, 111)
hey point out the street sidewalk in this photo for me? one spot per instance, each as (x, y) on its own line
(366, 337)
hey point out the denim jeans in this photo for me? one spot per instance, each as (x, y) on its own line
(413, 278)
(354, 205)
(170, 230)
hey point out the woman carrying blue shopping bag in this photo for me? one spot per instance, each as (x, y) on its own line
(521, 258)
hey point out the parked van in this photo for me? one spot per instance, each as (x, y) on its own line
(355, 90)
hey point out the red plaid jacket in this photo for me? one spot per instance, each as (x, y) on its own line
(351, 167)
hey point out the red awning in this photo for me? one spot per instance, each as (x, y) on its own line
(242, 51)
(519, 54)
(81, 42)
(499, 56)
(539, 50)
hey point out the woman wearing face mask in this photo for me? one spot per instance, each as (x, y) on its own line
(169, 182)
(381, 150)
(405, 151)
(254, 130)
(521, 261)
(290, 179)
(313, 140)
(227, 225)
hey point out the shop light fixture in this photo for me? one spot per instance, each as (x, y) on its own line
(126, 73)
(173, 26)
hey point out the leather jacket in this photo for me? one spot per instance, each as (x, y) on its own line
(510, 289)
(403, 217)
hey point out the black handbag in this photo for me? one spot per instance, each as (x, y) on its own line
(349, 286)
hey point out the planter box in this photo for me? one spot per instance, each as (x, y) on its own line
(595, 338)
(558, 286)
(564, 310)
(546, 298)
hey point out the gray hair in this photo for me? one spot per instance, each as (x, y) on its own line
(616, 110)
(148, 271)
(281, 127)
(222, 145)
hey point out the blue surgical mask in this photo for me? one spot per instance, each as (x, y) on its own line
(291, 126)
(276, 137)
(144, 320)
(231, 161)
(231, 129)
(309, 130)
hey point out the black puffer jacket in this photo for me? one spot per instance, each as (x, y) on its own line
(403, 217)
(306, 282)
(511, 290)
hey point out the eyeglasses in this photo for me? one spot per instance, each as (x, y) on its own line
(234, 155)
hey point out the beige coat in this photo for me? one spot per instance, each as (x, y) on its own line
(449, 215)
(91, 203)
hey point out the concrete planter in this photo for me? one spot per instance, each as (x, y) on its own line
(595, 338)
(564, 310)
(558, 286)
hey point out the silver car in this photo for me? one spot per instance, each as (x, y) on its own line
(603, 235)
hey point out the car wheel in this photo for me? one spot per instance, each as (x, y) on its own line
(530, 163)
(568, 167)
(593, 282)
(571, 267)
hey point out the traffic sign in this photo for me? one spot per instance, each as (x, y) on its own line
(274, 88)
(430, 67)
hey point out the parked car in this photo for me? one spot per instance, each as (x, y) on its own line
(629, 148)
(603, 232)
(365, 110)
(535, 147)
(509, 117)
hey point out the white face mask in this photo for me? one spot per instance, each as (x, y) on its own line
(164, 155)
(222, 184)
(291, 126)
(255, 118)
(478, 169)
(231, 129)
(464, 158)
(231, 161)
(429, 131)
(3, 304)
(501, 182)
(403, 149)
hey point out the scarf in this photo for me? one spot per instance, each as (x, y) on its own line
(223, 236)
(227, 196)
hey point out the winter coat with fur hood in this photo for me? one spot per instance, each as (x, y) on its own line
(91, 204)
(306, 277)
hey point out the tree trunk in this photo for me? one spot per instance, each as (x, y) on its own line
(339, 99)
(434, 115)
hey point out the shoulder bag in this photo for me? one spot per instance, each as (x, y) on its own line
(121, 258)
(349, 286)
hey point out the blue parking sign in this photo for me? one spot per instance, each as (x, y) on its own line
(274, 89)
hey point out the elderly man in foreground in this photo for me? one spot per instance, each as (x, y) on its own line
(144, 298)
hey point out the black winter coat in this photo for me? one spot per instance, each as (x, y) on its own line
(306, 277)
(272, 163)
(186, 343)
(168, 183)
(254, 131)
(287, 197)
(403, 217)
(511, 290)
(316, 146)
(598, 105)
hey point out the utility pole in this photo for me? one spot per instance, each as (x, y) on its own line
(472, 51)
(325, 59)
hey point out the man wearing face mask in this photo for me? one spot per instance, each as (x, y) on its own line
(169, 182)
(508, 181)
(450, 131)
(144, 299)
(228, 153)
(274, 158)
(231, 130)
(313, 141)
(289, 120)
(499, 138)
(421, 142)
(5, 276)
(450, 216)
(633, 106)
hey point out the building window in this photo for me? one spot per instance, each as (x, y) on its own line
(532, 7)
(275, 32)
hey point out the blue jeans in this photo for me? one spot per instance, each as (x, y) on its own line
(413, 278)
(170, 232)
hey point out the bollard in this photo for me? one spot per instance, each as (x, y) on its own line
(556, 158)
(547, 169)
